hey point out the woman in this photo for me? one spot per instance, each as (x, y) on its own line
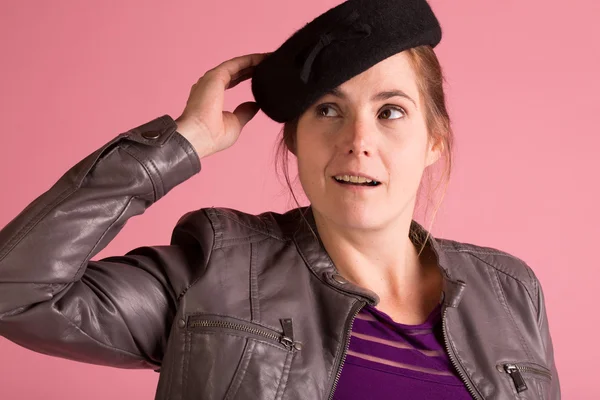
(347, 298)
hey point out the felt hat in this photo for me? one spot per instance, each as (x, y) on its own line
(336, 46)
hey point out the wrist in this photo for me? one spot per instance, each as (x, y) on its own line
(193, 133)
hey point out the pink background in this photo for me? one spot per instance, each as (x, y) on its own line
(523, 93)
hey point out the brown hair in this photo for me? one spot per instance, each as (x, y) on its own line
(430, 81)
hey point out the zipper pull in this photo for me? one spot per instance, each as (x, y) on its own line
(288, 335)
(515, 374)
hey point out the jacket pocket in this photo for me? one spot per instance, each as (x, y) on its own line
(229, 358)
(527, 376)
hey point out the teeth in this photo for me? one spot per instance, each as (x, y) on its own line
(353, 179)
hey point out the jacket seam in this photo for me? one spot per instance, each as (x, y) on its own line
(50, 206)
(34, 220)
(254, 295)
(68, 191)
(250, 239)
(283, 379)
(216, 225)
(459, 246)
(520, 281)
(242, 368)
(253, 228)
(88, 255)
(471, 251)
(195, 163)
(536, 290)
(512, 318)
(154, 365)
(169, 377)
(186, 362)
(510, 314)
(538, 315)
(150, 175)
(208, 257)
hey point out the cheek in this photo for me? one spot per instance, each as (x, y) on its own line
(311, 165)
(312, 155)
(406, 165)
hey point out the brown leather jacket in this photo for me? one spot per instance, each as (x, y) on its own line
(238, 306)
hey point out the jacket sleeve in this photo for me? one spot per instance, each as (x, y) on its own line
(547, 342)
(116, 311)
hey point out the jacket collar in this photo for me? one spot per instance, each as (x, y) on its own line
(310, 247)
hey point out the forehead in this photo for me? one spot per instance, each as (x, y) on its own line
(395, 72)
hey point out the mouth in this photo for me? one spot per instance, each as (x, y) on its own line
(355, 180)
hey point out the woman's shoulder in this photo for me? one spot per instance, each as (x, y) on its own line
(477, 258)
(227, 223)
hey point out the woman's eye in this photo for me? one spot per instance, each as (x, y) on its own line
(388, 113)
(328, 111)
(322, 111)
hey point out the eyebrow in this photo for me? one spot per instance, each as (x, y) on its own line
(388, 94)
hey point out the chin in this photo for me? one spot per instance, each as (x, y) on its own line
(361, 216)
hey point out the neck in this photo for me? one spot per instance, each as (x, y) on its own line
(383, 260)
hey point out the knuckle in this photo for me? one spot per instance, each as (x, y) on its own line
(214, 73)
(210, 73)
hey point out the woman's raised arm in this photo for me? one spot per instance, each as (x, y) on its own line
(116, 311)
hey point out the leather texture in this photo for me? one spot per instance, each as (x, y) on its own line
(237, 306)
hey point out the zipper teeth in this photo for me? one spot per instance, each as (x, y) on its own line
(462, 375)
(346, 347)
(532, 369)
(231, 325)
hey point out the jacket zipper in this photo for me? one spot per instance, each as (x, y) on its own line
(347, 333)
(286, 338)
(514, 371)
(455, 362)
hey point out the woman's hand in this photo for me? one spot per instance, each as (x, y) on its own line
(203, 122)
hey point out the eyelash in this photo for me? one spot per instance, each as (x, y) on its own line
(321, 107)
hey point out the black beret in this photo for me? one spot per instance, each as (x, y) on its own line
(336, 46)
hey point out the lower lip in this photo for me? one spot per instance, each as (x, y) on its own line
(355, 187)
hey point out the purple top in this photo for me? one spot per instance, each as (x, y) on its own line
(390, 360)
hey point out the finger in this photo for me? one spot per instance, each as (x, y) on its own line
(237, 64)
(241, 77)
(245, 112)
(242, 72)
(230, 68)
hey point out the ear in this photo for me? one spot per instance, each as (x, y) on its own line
(434, 152)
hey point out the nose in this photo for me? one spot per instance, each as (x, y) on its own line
(358, 138)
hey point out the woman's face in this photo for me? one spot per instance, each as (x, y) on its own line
(372, 126)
